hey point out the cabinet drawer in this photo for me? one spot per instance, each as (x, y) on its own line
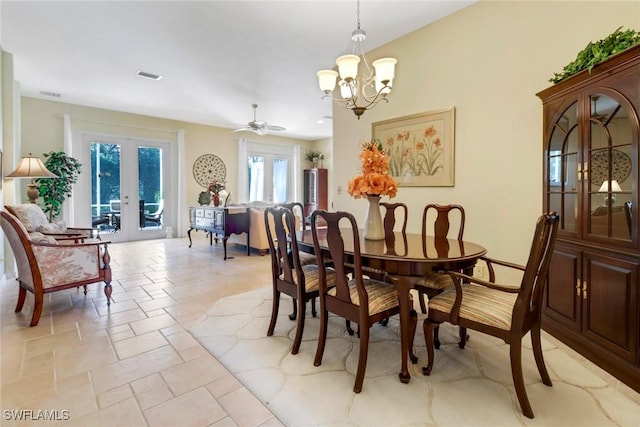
(208, 213)
(199, 213)
(204, 222)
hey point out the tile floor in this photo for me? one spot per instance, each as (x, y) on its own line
(135, 363)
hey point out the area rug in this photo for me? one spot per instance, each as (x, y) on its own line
(467, 387)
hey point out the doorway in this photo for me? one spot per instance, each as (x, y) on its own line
(128, 187)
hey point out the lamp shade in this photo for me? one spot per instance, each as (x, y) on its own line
(385, 68)
(31, 167)
(327, 80)
(348, 66)
(614, 188)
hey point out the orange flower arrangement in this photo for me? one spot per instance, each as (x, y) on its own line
(374, 179)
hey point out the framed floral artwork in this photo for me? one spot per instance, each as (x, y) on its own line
(420, 147)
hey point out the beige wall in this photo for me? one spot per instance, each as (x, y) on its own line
(488, 61)
(42, 131)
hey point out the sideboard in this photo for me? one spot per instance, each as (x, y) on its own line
(221, 221)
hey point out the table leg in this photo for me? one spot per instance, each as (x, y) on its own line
(404, 286)
(224, 244)
(189, 234)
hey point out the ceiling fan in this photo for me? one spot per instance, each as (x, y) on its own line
(258, 126)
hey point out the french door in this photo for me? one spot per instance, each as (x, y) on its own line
(128, 186)
(269, 177)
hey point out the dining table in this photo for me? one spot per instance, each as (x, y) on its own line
(402, 259)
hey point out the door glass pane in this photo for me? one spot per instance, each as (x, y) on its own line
(151, 198)
(256, 178)
(280, 170)
(105, 186)
(268, 178)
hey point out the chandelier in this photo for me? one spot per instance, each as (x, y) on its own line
(358, 92)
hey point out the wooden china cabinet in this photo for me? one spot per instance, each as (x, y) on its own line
(591, 171)
(315, 190)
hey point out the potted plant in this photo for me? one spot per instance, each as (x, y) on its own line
(54, 191)
(596, 52)
(314, 157)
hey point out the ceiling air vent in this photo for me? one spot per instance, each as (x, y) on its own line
(48, 93)
(148, 75)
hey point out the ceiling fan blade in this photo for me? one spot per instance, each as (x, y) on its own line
(244, 129)
(275, 128)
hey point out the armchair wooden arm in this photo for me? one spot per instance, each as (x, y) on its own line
(491, 261)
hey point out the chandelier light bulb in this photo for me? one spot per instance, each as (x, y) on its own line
(345, 89)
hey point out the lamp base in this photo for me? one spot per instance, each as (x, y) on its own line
(32, 193)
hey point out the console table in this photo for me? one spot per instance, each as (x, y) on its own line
(222, 221)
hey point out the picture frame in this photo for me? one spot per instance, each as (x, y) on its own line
(421, 148)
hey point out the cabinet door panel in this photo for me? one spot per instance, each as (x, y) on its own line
(610, 307)
(562, 301)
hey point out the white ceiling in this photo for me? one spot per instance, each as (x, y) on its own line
(216, 57)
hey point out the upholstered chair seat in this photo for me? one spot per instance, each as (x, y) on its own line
(382, 296)
(435, 280)
(479, 304)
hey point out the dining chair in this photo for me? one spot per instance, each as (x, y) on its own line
(389, 223)
(440, 221)
(628, 213)
(305, 258)
(359, 300)
(155, 218)
(504, 311)
(298, 213)
(289, 276)
(390, 220)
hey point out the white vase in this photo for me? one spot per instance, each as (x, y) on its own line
(373, 228)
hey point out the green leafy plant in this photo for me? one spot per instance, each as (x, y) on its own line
(312, 154)
(54, 191)
(596, 52)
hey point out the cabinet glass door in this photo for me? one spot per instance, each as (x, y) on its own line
(564, 169)
(609, 185)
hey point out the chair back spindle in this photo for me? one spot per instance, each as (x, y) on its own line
(440, 226)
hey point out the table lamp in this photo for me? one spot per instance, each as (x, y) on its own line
(31, 167)
(613, 188)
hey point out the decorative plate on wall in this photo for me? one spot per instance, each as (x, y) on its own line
(208, 168)
(621, 165)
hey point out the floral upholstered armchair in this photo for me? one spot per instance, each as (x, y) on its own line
(47, 265)
(35, 220)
